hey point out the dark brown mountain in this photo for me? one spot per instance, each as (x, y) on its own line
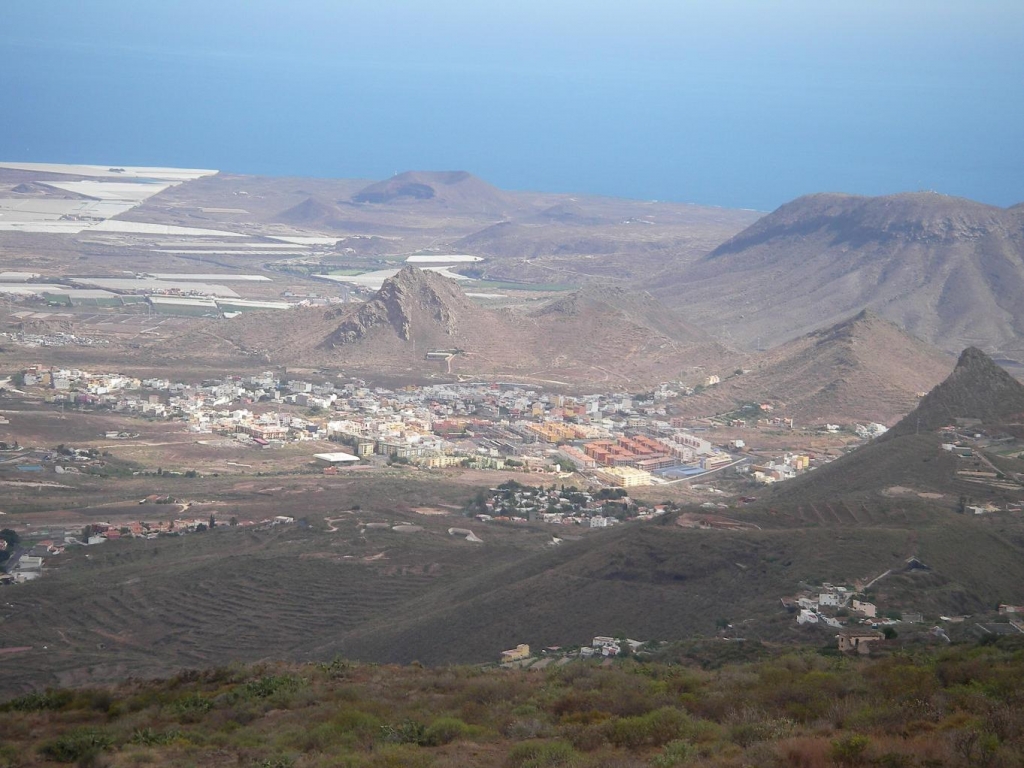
(976, 389)
(456, 190)
(862, 369)
(948, 270)
(659, 580)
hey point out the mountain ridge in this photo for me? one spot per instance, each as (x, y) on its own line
(910, 455)
(611, 338)
(977, 389)
(948, 270)
(864, 368)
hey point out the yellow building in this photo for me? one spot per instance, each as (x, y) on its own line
(520, 652)
(555, 431)
(624, 477)
(440, 460)
(715, 460)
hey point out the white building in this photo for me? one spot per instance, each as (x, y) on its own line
(806, 617)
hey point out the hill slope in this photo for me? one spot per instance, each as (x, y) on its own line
(457, 190)
(948, 270)
(910, 456)
(614, 338)
(862, 369)
(659, 580)
(977, 389)
(311, 211)
(623, 338)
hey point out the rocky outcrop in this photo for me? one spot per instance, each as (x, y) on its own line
(410, 297)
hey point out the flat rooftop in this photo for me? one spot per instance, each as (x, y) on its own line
(337, 457)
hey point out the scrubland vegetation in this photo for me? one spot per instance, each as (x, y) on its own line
(955, 706)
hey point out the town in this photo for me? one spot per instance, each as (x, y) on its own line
(613, 439)
(595, 448)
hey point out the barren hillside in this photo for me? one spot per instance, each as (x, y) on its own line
(910, 457)
(862, 369)
(948, 270)
(976, 389)
(607, 339)
(456, 190)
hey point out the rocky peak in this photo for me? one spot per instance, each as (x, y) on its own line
(976, 389)
(410, 298)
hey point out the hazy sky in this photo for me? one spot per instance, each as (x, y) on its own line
(740, 103)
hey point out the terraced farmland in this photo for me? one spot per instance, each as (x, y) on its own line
(151, 607)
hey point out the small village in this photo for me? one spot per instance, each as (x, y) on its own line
(601, 647)
(22, 561)
(513, 502)
(861, 622)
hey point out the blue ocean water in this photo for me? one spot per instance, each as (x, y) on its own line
(739, 103)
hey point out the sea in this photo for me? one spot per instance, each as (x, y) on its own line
(738, 104)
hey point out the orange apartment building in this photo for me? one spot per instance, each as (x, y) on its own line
(638, 451)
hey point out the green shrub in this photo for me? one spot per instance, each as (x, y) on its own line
(191, 708)
(654, 729)
(98, 699)
(760, 728)
(895, 760)
(398, 756)
(336, 668)
(676, 753)
(360, 729)
(78, 745)
(542, 754)
(585, 737)
(37, 702)
(405, 732)
(317, 738)
(850, 750)
(267, 686)
(278, 761)
(147, 737)
(444, 730)
(525, 728)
